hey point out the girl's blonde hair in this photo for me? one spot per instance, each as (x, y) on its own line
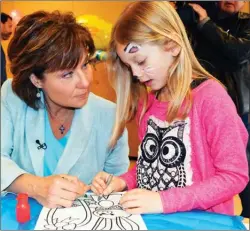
(155, 22)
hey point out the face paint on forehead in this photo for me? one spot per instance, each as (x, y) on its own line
(132, 48)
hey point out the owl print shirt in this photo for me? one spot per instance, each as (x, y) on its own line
(164, 155)
(195, 163)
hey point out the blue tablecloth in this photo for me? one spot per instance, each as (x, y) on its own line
(194, 220)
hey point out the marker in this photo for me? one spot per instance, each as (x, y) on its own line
(107, 183)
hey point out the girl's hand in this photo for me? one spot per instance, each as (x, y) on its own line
(99, 184)
(139, 201)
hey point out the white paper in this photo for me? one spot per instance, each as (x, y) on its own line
(89, 213)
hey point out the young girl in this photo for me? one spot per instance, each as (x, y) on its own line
(192, 153)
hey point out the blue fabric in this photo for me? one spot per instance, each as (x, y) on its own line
(194, 220)
(54, 149)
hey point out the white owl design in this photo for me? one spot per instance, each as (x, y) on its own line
(162, 161)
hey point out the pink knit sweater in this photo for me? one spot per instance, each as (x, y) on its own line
(197, 163)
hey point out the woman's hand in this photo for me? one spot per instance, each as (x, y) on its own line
(99, 184)
(139, 201)
(58, 190)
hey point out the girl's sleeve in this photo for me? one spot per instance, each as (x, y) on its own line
(130, 178)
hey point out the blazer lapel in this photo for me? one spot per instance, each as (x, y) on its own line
(78, 140)
(35, 132)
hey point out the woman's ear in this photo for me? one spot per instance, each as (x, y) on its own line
(36, 82)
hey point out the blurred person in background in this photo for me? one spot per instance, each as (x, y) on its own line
(6, 31)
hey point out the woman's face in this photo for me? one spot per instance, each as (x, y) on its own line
(69, 88)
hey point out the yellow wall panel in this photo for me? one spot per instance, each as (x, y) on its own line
(107, 10)
(27, 7)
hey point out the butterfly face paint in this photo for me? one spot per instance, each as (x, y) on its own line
(132, 48)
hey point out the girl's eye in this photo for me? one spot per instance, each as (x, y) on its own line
(142, 62)
(67, 75)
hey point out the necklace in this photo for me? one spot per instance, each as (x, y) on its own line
(61, 123)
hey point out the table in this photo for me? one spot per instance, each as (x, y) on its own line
(193, 220)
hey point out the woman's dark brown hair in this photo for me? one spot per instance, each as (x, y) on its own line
(45, 42)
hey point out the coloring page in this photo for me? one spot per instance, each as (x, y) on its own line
(90, 213)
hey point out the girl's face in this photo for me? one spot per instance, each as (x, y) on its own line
(148, 62)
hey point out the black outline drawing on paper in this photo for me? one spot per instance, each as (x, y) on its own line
(106, 214)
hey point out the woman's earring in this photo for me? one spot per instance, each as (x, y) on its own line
(38, 94)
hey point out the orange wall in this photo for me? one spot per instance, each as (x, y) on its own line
(246, 8)
(102, 87)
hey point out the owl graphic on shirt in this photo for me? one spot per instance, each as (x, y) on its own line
(164, 155)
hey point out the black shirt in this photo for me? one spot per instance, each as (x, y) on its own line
(3, 67)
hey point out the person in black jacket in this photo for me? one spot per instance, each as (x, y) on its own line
(222, 44)
(6, 31)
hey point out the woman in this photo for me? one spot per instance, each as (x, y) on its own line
(55, 133)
